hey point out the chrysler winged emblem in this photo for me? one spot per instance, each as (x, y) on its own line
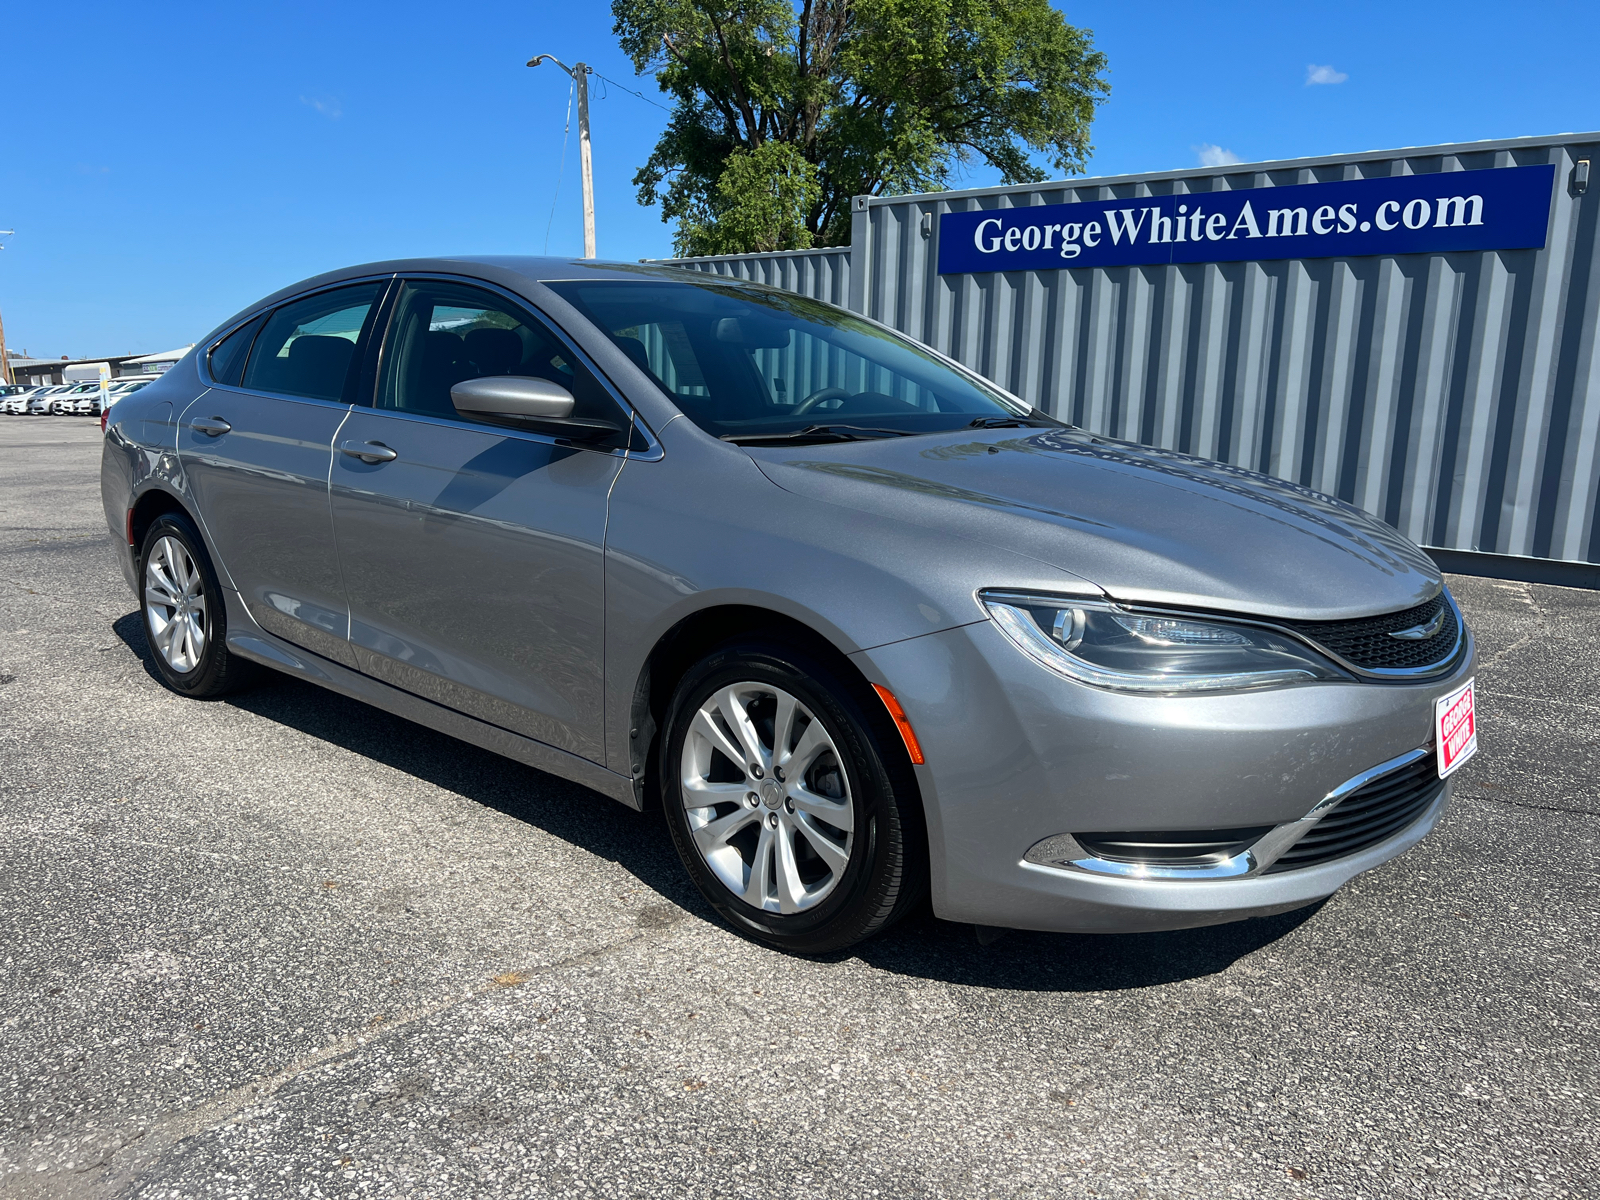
(1418, 633)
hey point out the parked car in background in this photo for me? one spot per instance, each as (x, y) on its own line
(66, 403)
(122, 388)
(867, 627)
(40, 401)
(15, 400)
(90, 405)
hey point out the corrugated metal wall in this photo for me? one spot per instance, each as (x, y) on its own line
(822, 274)
(1455, 395)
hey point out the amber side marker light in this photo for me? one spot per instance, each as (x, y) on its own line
(898, 715)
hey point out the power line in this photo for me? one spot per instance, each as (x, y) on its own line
(561, 170)
(629, 90)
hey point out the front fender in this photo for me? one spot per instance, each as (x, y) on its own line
(703, 527)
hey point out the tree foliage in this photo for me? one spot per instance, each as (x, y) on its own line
(784, 110)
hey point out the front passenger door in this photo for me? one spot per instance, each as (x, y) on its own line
(471, 553)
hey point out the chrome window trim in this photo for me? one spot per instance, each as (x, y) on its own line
(1063, 852)
(652, 451)
(211, 343)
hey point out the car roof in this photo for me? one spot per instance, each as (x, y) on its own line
(508, 270)
(531, 268)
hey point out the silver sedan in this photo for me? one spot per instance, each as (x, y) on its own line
(872, 631)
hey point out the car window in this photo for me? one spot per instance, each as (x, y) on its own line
(445, 333)
(308, 347)
(226, 360)
(663, 348)
(742, 360)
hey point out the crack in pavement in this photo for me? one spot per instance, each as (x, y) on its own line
(143, 1150)
(1576, 812)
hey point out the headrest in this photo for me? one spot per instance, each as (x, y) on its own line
(634, 349)
(320, 356)
(494, 351)
(441, 346)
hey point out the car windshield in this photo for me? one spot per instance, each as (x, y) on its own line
(751, 364)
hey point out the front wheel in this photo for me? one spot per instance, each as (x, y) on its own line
(185, 617)
(787, 799)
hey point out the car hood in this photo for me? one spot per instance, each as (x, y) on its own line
(1143, 524)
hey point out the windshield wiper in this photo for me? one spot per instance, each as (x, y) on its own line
(1002, 423)
(816, 433)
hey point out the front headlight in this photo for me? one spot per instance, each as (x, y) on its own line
(1111, 647)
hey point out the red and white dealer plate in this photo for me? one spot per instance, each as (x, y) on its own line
(1455, 728)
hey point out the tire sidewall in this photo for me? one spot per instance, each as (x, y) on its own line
(205, 677)
(877, 832)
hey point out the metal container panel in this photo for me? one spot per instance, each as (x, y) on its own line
(822, 274)
(1456, 395)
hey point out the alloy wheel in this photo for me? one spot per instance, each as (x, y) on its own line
(767, 797)
(175, 605)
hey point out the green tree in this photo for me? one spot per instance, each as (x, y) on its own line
(785, 110)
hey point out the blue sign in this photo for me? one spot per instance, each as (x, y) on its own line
(1505, 208)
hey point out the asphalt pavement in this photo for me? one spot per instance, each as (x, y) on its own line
(288, 945)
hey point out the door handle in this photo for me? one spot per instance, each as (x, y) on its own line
(368, 452)
(210, 426)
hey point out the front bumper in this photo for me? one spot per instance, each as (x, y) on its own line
(1017, 756)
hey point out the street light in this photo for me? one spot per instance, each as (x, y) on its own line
(580, 80)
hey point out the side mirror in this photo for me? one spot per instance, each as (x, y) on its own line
(526, 403)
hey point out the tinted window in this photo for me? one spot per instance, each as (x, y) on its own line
(742, 360)
(444, 333)
(308, 347)
(226, 361)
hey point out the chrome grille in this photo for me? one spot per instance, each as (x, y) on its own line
(1378, 809)
(1365, 641)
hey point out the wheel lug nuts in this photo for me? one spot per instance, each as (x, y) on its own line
(772, 820)
(788, 805)
(777, 773)
(752, 799)
(755, 770)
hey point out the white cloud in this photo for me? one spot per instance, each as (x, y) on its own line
(1215, 156)
(327, 107)
(1316, 74)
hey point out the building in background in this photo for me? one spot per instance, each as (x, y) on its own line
(32, 372)
(153, 364)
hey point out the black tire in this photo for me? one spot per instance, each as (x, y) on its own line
(217, 671)
(886, 873)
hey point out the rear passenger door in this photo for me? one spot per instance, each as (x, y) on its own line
(256, 449)
(472, 553)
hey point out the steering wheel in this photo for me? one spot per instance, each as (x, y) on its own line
(817, 397)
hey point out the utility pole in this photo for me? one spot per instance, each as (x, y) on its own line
(5, 359)
(580, 80)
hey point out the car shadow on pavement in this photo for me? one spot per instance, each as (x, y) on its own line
(1019, 960)
(922, 945)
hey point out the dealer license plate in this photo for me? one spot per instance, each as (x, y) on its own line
(1455, 727)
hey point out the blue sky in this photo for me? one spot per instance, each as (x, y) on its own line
(167, 164)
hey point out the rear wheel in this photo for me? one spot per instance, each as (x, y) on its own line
(185, 618)
(790, 808)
